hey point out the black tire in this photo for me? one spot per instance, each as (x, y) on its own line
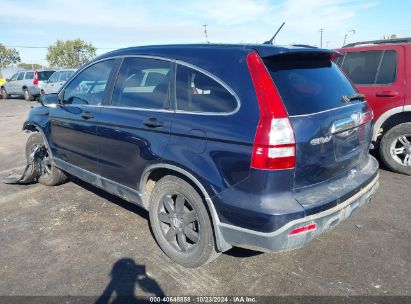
(4, 94)
(51, 175)
(191, 219)
(27, 95)
(388, 141)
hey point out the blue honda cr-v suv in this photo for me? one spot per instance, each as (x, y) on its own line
(255, 146)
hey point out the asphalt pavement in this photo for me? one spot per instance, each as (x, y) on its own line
(74, 239)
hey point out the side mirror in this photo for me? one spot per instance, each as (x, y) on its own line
(49, 100)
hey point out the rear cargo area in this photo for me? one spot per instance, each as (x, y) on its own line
(332, 127)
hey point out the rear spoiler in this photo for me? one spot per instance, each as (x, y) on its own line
(269, 51)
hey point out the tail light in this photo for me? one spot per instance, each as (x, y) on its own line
(274, 143)
(366, 116)
(36, 78)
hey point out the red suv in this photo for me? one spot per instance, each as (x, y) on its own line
(381, 70)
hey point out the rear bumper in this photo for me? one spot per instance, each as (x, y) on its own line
(280, 240)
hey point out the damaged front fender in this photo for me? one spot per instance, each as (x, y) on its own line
(33, 169)
(37, 121)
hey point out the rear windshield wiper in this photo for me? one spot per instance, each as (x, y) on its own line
(356, 96)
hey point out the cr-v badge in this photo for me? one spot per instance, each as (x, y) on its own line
(320, 140)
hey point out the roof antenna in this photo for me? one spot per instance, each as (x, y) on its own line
(272, 40)
(205, 32)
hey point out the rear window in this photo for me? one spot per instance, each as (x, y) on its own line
(370, 67)
(308, 83)
(44, 75)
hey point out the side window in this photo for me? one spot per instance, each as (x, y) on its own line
(143, 83)
(88, 87)
(62, 76)
(21, 76)
(388, 68)
(197, 92)
(29, 75)
(54, 77)
(361, 67)
(68, 75)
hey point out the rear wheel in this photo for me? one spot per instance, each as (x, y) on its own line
(395, 148)
(180, 223)
(50, 175)
(4, 94)
(27, 95)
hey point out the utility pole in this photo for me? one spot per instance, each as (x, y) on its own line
(205, 32)
(321, 37)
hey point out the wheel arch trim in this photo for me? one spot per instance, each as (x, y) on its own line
(385, 116)
(27, 127)
(222, 245)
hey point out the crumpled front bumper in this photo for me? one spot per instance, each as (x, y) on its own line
(281, 240)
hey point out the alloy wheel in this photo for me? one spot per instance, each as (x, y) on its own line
(179, 222)
(401, 150)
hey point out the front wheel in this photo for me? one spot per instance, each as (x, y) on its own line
(181, 224)
(4, 94)
(50, 175)
(395, 148)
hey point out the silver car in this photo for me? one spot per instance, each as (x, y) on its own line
(26, 83)
(56, 80)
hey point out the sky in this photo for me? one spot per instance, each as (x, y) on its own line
(113, 24)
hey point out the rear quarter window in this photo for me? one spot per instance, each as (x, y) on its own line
(197, 92)
(308, 83)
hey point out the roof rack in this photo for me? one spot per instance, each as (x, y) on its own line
(382, 41)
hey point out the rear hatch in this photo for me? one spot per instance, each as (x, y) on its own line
(332, 124)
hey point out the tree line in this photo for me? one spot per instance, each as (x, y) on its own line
(63, 53)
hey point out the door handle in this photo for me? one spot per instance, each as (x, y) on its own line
(386, 94)
(153, 123)
(87, 115)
